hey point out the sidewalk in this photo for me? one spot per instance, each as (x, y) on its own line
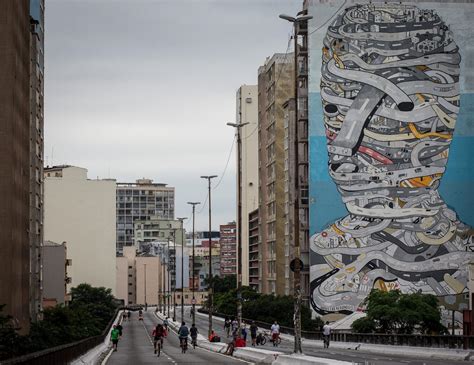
(415, 352)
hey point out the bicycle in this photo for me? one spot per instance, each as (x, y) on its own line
(158, 346)
(183, 343)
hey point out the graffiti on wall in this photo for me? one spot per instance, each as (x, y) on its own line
(390, 95)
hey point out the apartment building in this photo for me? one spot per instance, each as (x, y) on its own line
(36, 154)
(20, 211)
(55, 274)
(141, 201)
(228, 249)
(275, 87)
(254, 253)
(247, 112)
(82, 213)
(157, 229)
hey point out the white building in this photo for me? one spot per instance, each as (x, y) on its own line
(82, 213)
(247, 112)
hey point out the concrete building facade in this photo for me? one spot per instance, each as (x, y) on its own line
(247, 112)
(55, 273)
(141, 201)
(228, 249)
(157, 229)
(275, 87)
(254, 253)
(15, 163)
(82, 213)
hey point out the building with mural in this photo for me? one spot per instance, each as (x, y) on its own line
(390, 99)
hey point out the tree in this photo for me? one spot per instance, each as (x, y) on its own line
(222, 284)
(394, 312)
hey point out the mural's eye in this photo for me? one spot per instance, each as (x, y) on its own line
(330, 108)
(406, 106)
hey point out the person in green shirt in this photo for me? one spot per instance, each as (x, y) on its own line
(114, 336)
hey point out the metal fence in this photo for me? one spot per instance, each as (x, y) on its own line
(63, 354)
(434, 341)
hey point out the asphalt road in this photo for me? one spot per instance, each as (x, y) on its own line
(136, 347)
(357, 357)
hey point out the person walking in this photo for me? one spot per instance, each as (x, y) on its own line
(114, 337)
(235, 327)
(194, 333)
(253, 333)
(275, 330)
(326, 335)
(227, 326)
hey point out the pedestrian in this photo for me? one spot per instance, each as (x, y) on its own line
(253, 333)
(326, 335)
(114, 337)
(120, 329)
(244, 332)
(128, 314)
(227, 326)
(124, 316)
(275, 330)
(235, 326)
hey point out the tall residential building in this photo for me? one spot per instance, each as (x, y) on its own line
(247, 112)
(82, 213)
(141, 201)
(228, 248)
(275, 87)
(254, 255)
(36, 153)
(15, 164)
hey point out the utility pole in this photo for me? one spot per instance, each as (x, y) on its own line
(144, 268)
(182, 267)
(210, 284)
(168, 295)
(296, 212)
(239, 218)
(174, 275)
(194, 281)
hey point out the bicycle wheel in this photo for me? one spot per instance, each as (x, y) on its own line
(264, 341)
(278, 341)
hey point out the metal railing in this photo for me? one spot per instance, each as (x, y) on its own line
(62, 354)
(417, 340)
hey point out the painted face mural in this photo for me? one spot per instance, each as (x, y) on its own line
(390, 95)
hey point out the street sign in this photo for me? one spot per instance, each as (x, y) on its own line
(193, 301)
(293, 265)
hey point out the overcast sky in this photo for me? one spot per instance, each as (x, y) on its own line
(144, 88)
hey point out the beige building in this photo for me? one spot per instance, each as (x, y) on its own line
(55, 273)
(247, 112)
(275, 87)
(82, 213)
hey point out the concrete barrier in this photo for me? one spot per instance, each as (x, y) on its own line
(307, 360)
(257, 356)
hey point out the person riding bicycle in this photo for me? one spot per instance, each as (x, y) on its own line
(275, 330)
(194, 334)
(183, 334)
(157, 334)
(191, 312)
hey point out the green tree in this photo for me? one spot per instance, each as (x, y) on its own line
(222, 284)
(394, 312)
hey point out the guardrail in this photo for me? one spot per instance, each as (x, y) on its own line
(435, 341)
(62, 354)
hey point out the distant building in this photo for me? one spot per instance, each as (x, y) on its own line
(82, 213)
(157, 229)
(201, 252)
(228, 249)
(247, 112)
(55, 274)
(275, 87)
(141, 201)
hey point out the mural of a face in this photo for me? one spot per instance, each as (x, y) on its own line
(390, 94)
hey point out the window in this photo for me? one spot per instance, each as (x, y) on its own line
(130, 275)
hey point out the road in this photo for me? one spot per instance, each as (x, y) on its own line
(354, 356)
(136, 347)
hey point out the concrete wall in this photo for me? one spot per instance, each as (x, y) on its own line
(54, 272)
(82, 213)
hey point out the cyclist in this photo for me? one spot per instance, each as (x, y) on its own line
(165, 323)
(191, 312)
(157, 334)
(275, 330)
(194, 333)
(227, 326)
(183, 334)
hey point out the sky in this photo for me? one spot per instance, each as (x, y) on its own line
(144, 88)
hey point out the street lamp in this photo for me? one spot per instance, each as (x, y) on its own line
(209, 178)
(296, 238)
(238, 128)
(194, 281)
(144, 269)
(168, 294)
(182, 266)
(174, 274)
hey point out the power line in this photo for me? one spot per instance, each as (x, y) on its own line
(226, 164)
